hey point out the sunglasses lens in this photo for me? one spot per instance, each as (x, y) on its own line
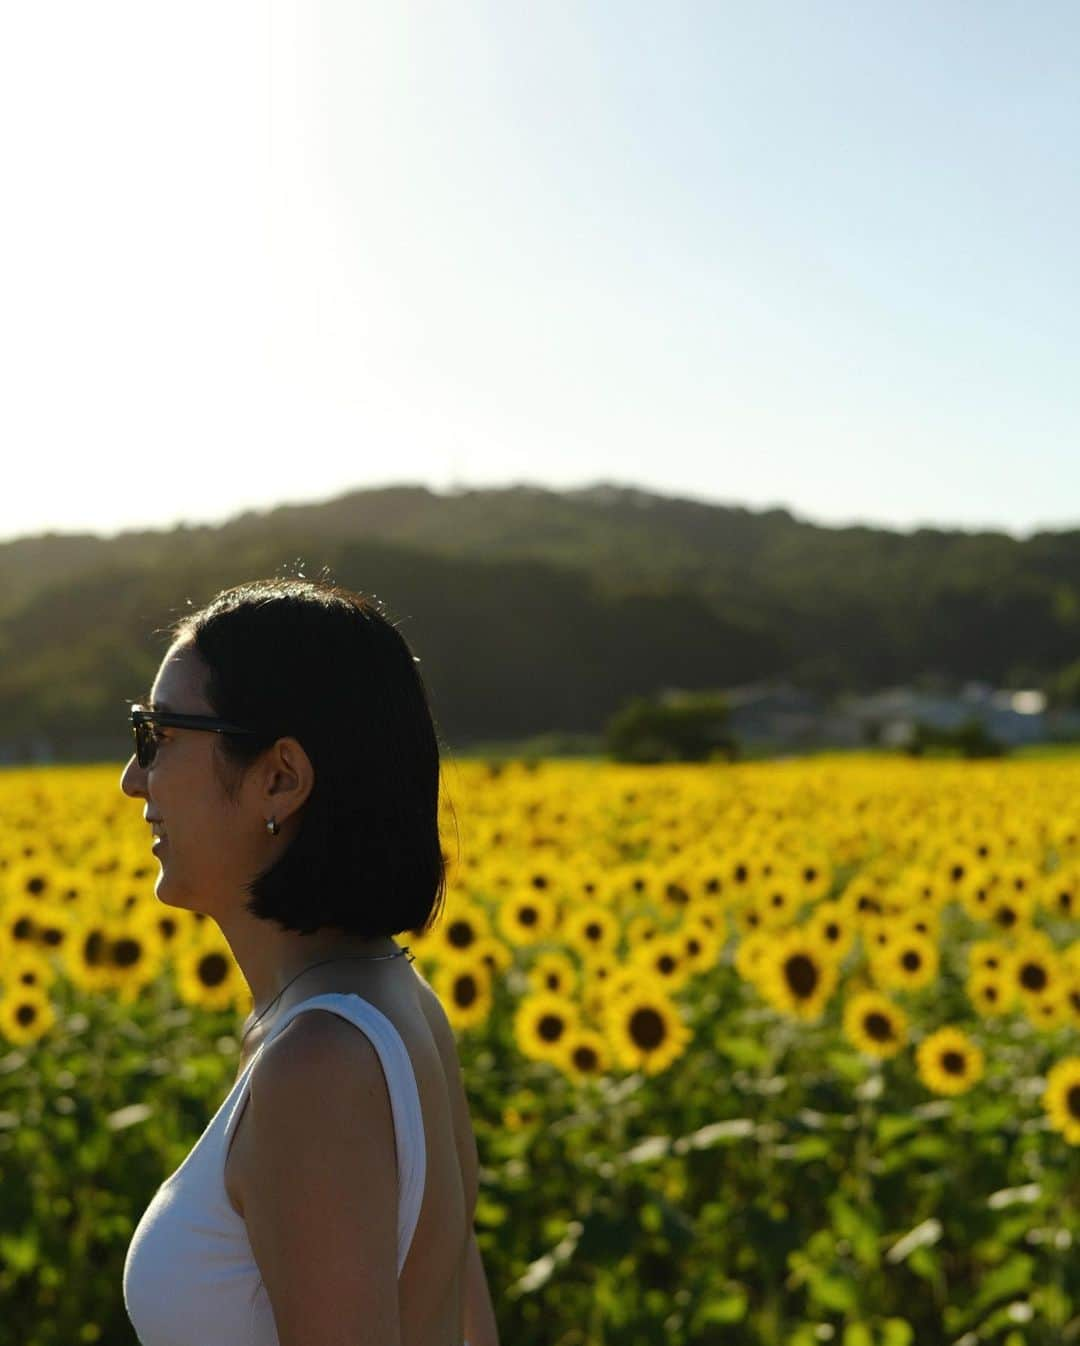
(144, 744)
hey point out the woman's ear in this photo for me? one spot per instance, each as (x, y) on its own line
(290, 778)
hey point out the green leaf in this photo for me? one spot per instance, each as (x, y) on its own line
(897, 1332)
(857, 1334)
(855, 1226)
(809, 1148)
(835, 1294)
(926, 1263)
(727, 1307)
(892, 1126)
(848, 1065)
(19, 1253)
(934, 1148)
(1012, 1278)
(743, 1051)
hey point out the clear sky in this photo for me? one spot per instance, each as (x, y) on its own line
(816, 255)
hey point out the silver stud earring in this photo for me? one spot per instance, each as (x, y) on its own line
(272, 827)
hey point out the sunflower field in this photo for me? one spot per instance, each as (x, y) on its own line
(782, 1052)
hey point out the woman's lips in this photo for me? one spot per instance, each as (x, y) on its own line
(157, 845)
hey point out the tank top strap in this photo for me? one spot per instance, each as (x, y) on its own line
(404, 1097)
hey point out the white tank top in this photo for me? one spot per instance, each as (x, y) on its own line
(190, 1278)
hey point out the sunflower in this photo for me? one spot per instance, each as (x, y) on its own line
(779, 899)
(591, 929)
(207, 975)
(910, 961)
(602, 977)
(741, 868)
(547, 879)
(664, 960)
(796, 975)
(922, 886)
(991, 993)
(709, 880)
(456, 935)
(990, 955)
(675, 890)
(749, 916)
(465, 990)
(71, 887)
(554, 972)
(645, 1029)
(640, 882)
(948, 1061)
(54, 927)
(1020, 841)
(1021, 879)
(585, 1055)
(953, 865)
(32, 880)
(863, 896)
(521, 1112)
(135, 960)
(704, 912)
(814, 875)
(878, 933)
(167, 927)
(525, 918)
(85, 954)
(28, 969)
(619, 980)
(1059, 892)
(640, 929)
(702, 945)
(1061, 1098)
(1064, 838)
(926, 922)
(830, 924)
(749, 951)
(26, 1015)
(1011, 911)
(542, 1023)
(588, 883)
(1050, 1011)
(978, 892)
(494, 954)
(873, 1024)
(1036, 969)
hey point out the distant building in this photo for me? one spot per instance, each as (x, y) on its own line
(781, 715)
(1014, 718)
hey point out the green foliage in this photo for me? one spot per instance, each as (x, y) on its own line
(689, 729)
(536, 611)
(737, 1230)
(970, 739)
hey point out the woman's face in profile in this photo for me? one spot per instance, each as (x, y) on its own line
(202, 854)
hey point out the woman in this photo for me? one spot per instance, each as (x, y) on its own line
(289, 767)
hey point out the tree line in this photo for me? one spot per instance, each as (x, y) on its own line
(535, 611)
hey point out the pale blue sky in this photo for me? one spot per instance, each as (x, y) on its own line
(815, 255)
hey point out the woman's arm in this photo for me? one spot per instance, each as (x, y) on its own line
(480, 1328)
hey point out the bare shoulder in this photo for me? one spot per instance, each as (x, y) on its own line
(321, 1210)
(464, 1135)
(320, 1057)
(437, 1022)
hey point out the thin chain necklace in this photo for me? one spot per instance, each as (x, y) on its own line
(345, 958)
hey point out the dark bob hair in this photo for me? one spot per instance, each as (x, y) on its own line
(320, 663)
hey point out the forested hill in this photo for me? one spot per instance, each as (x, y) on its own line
(535, 609)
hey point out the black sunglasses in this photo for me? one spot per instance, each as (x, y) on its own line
(143, 721)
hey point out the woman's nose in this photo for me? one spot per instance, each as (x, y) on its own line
(133, 779)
